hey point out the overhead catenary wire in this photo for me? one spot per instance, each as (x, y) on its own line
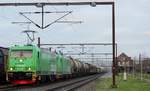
(42, 26)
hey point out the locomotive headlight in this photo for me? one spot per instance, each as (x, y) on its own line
(20, 60)
(29, 68)
(11, 69)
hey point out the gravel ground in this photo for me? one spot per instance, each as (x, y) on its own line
(88, 87)
(107, 75)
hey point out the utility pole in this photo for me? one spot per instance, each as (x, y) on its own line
(141, 66)
(113, 47)
(125, 70)
(133, 67)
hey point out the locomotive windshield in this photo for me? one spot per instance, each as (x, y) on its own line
(21, 53)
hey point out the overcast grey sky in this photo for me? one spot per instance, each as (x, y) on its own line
(132, 25)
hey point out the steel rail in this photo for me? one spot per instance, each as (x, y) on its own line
(69, 86)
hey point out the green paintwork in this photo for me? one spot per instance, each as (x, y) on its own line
(42, 62)
(63, 65)
(22, 66)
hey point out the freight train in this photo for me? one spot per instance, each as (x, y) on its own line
(30, 64)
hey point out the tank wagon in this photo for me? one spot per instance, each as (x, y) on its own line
(29, 64)
(3, 61)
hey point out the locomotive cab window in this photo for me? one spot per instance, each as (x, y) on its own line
(21, 53)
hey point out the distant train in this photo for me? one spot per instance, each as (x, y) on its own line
(3, 62)
(29, 64)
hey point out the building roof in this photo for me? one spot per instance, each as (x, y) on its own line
(123, 55)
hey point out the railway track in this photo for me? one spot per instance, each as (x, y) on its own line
(74, 85)
(67, 85)
(6, 86)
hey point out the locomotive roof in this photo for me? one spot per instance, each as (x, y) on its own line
(23, 46)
